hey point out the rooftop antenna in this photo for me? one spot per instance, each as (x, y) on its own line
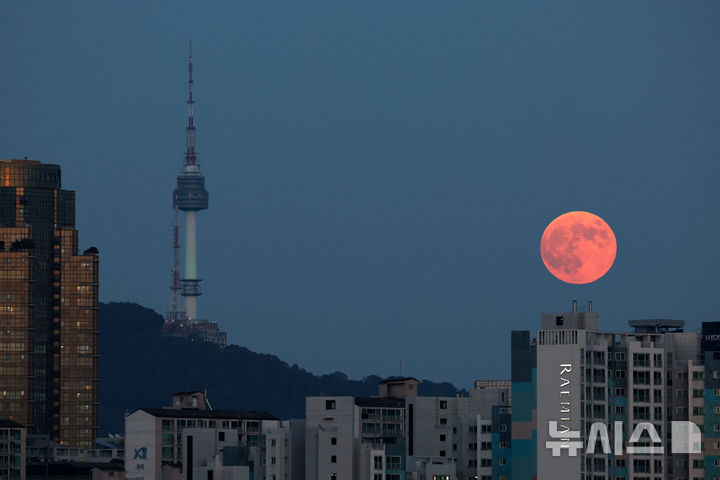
(207, 402)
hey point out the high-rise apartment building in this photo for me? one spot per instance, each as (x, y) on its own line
(583, 379)
(48, 308)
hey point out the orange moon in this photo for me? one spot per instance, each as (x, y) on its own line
(578, 247)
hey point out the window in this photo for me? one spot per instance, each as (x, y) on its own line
(559, 321)
(657, 396)
(641, 359)
(641, 413)
(503, 444)
(333, 459)
(378, 462)
(443, 421)
(641, 377)
(442, 453)
(393, 462)
(329, 404)
(657, 360)
(333, 440)
(620, 356)
(221, 436)
(641, 465)
(503, 428)
(442, 438)
(443, 404)
(641, 395)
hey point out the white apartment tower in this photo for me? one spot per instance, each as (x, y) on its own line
(653, 374)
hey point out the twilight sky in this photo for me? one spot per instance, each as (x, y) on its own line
(380, 173)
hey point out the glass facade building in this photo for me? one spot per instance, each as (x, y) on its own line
(48, 308)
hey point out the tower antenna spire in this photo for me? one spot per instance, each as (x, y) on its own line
(190, 154)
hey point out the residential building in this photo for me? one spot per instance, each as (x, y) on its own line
(285, 450)
(12, 450)
(160, 441)
(399, 435)
(586, 379)
(48, 343)
(524, 407)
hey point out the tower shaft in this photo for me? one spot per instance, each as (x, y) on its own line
(191, 277)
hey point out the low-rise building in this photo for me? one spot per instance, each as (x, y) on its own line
(156, 441)
(12, 450)
(399, 435)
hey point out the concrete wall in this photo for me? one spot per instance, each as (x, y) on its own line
(142, 446)
(323, 424)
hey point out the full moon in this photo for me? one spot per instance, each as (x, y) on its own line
(578, 247)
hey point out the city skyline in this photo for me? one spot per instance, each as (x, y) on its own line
(381, 177)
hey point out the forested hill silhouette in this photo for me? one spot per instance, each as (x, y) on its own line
(141, 368)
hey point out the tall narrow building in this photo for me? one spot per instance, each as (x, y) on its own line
(48, 308)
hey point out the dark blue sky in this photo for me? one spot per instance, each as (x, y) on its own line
(380, 173)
